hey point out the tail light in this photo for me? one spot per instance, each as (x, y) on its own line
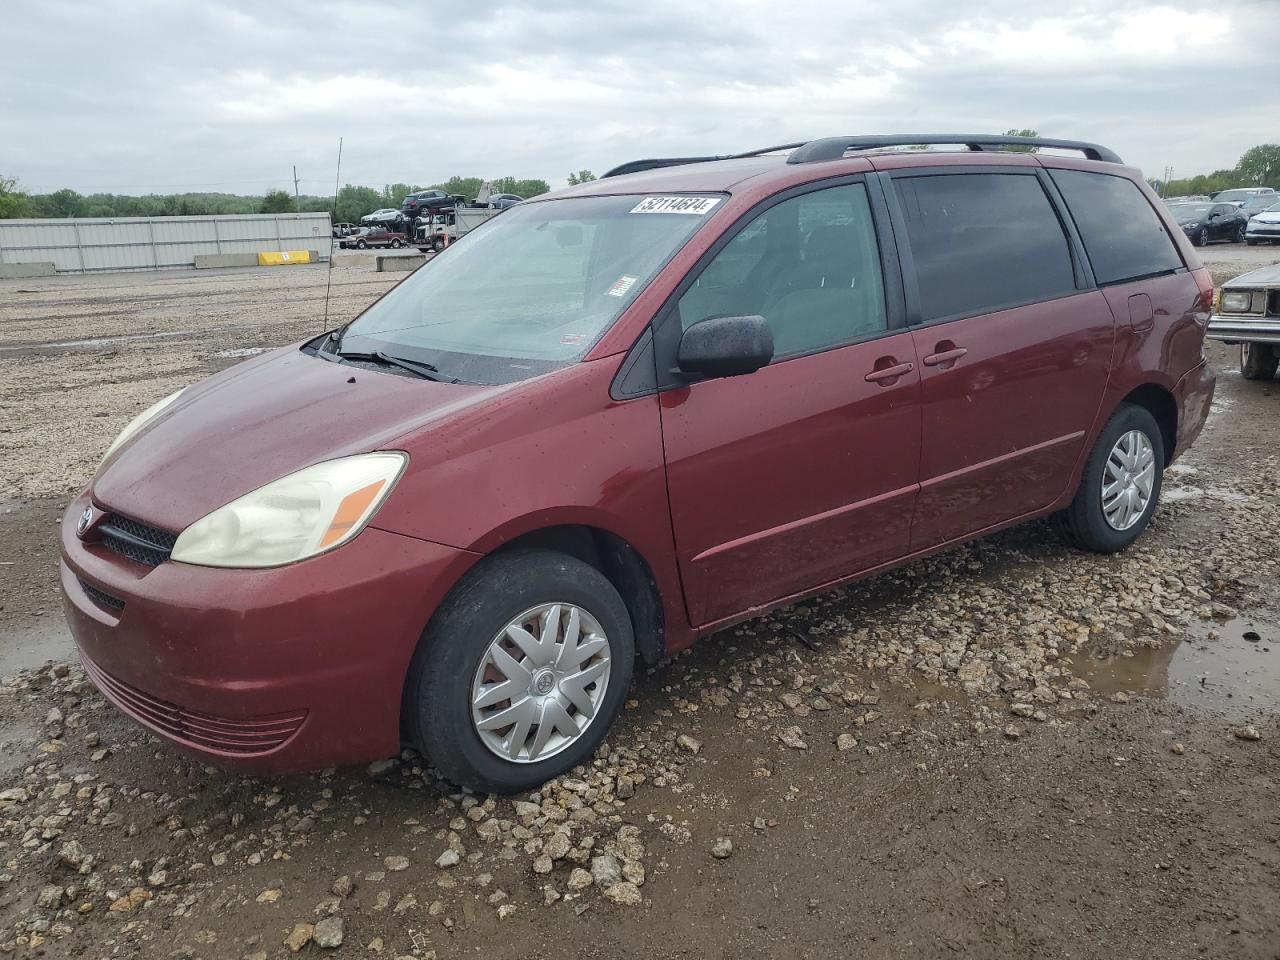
(1205, 284)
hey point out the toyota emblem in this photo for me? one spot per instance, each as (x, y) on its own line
(86, 518)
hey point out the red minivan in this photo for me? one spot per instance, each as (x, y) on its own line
(623, 416)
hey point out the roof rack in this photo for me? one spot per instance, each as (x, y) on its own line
(833, 148)
(636, 166)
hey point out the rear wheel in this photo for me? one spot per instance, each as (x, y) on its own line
(396, 243)
(1258, 361)
(1120, 486)
(1201, 238)
(360, 245)
(521, 671)
(1240, 233)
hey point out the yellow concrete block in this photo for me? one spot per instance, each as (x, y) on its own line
(283, 257)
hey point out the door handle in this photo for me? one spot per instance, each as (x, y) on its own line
(889, 373)
(947, 356)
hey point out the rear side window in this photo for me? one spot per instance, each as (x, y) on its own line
(982, 242)
(1122, 234)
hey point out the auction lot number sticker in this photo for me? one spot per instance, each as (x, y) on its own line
(698, 206)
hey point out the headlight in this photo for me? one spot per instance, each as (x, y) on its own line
(295, 517)
(1243, 301)
(140, 421)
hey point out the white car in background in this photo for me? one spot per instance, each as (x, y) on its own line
(1263, 227)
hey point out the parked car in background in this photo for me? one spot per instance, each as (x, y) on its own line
(1239, 195)
(503, 200)
(424, 202)
(380, 216)
(1256, 204)
(372, 237)
(341, 230)
(1247, 312)
(624, 416)
(1264, 227)
(1206, 222)
(1187, 198)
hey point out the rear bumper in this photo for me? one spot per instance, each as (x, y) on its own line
(1194, 395)
(266, 671)
(1237, 329)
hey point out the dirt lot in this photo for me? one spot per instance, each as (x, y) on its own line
(1010, 750)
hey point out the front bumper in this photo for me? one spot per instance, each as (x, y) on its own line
(268, 671)
(1238, 328)
(1262, 231)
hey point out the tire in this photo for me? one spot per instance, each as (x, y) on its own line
(1084, 523)
(437, 245)
(1201, 238)
(395, 244)
(1258, 361)
(1239, 237)
(457, 642)
(360, 245)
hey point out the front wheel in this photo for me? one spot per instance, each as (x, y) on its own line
(395, 244)
(521, 671)
(1239, 233)
(1120, 486)
(1201, 238)
(437, 245)
(360, 245)
(1258, 361)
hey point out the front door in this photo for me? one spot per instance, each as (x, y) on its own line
(804, 471)
(1014, 357)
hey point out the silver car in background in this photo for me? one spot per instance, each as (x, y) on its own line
(1247, 311)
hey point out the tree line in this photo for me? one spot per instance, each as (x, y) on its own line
(353, 201)
(1258, 167)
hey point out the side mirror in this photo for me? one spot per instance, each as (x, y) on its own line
(725, 346)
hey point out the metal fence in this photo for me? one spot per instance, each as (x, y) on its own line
(157, 243)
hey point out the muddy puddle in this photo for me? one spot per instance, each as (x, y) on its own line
(29, 648)
(1231, 668)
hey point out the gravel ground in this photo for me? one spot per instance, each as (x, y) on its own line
(1011, 749)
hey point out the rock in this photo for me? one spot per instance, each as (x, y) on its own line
(299, 937)
(1025, 710)
(550, 895)
(579, 879)
(1246, 733)
(13, 795)
(524, 809)
(1013, 731)
(605, 870)
(633, 872)
(1179, 749)
(328, 933)
(846, 741)
(543, 864)
(396, 864)
(380, 768)
(505, 910)
(1119, 697)
(131, 901)
(627, 894)
(792, 738)
(342, 887)
(50, 898)
(688, 743)
(626, 788)
(450, 858)
(73, 855)
(722, 849)
(558, 846)
(271, 895)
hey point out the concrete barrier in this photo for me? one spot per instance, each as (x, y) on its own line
(284, 258)
(208, 261)
(13, 271)
(400, 262)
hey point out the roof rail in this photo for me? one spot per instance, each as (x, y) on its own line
(636, 166)
(833, 148)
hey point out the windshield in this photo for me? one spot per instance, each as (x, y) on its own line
(1234, 196)
(1185, 212)
(530, 290)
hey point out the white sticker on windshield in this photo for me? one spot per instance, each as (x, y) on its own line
(621, 286)
(698, 206)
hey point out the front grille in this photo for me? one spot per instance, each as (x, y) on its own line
(139, 542)
(201, 731)
(101, 597)
(1273, 303)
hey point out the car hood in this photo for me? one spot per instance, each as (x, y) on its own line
(259, 421)
(1267, 217)
(1263, 276)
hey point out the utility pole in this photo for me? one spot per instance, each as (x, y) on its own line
(297, 203)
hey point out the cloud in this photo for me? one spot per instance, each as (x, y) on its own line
(131, 96)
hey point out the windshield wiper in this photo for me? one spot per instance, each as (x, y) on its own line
(422, 369)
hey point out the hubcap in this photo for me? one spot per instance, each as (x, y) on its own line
(540, 682)
(1128, 479)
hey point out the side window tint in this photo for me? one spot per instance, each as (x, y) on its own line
(1122, 235)
(809, 265)
(982, 242)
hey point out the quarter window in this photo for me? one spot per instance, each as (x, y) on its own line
(1122, 234)
(982, 242)
(808, 265)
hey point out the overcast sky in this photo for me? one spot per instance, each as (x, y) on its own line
(134, 97)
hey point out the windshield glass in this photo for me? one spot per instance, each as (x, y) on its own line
(1184, 212)
(530, 290)
(1234, 196)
